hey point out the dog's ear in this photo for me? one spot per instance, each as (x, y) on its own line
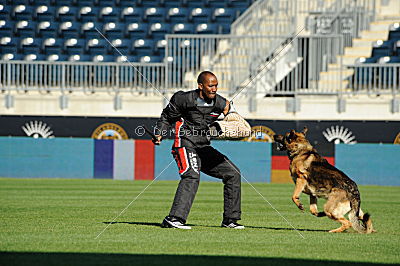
(278, 138)
(305, 130)
(292, 135)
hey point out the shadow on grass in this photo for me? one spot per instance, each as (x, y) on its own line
(214, 226)
(60, 259)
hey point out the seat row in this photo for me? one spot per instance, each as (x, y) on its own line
(115, 14)
(71, 29)
(48, 46)
(139, 3)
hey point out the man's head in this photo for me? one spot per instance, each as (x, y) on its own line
(208, 84)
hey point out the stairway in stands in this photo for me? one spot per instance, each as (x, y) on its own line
(336, 78)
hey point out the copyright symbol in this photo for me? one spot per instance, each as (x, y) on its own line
(139, 131)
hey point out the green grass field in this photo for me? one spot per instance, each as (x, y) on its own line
(55, 221)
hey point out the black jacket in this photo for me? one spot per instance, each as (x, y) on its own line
(191, 121)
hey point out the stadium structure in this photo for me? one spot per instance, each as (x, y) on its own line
(101, 68)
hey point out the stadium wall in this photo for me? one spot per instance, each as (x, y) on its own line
(367, 164)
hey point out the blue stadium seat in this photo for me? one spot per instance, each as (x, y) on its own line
(44, 13)
(96, 46)
(208, 28)
(394, 35)
(171, 3)
(25, 28)
(52, 46)
(159, 47)
(12, 56)
(199, 15)
(22, 12)
(193, 3)
(154, 14)
(34, 57)
(382, 48)
(103, 3)
(88, 29)
(389, 59)
(143, 46)
(215, 3)
(6, 27)
(47, 3)
(65, 2)
(136, 30)
(5, 11)
(79, 58)
(131, 14)
(126, 59)
(88, 13)
(109, 14)
(151, 59)
(224, 15)
(47, 29)
(74, 46)
(397, 48)
(103, 58)
(125, 3)
(158, 30)
(113, 30)
(69, 29)
(183, 28)
(239, 3)
(66, 13)
(56, 57)
(148, 3)
(123, 45)
(30, 45)
(177, 14)
(8, 44)
(82, 3)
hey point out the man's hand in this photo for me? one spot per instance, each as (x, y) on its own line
(157, 140)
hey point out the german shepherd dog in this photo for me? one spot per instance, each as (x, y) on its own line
(314, 176)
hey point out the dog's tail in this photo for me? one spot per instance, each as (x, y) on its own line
(362, 223)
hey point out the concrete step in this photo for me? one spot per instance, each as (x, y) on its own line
(365, 42)
(359, 51)
(369, 34)
(334, 75)
(347, 59)
(382, 25)
(332, 85)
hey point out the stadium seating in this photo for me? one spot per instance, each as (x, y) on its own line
(383, 53)
(57, 30)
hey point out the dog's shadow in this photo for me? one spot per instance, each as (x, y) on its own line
(214, 226)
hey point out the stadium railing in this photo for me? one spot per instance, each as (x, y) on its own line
(87, 77)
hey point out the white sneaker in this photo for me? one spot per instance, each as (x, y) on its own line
(233, 225)
(174, 223)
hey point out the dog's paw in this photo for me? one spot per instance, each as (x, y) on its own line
(301, 207)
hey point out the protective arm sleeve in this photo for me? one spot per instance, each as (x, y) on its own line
(170, 114)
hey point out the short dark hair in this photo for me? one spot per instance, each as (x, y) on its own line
(202, 76)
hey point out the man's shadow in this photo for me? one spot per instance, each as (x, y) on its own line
(214, 226)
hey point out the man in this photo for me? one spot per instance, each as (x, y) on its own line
(192, 113)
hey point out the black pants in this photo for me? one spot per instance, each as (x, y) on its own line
(211, 162)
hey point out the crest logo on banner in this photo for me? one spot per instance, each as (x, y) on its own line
(261, 133)
(339, 134)
(397, 139)
(109, 131)
(38, 129)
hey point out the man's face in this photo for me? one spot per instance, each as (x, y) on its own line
(209, 86)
